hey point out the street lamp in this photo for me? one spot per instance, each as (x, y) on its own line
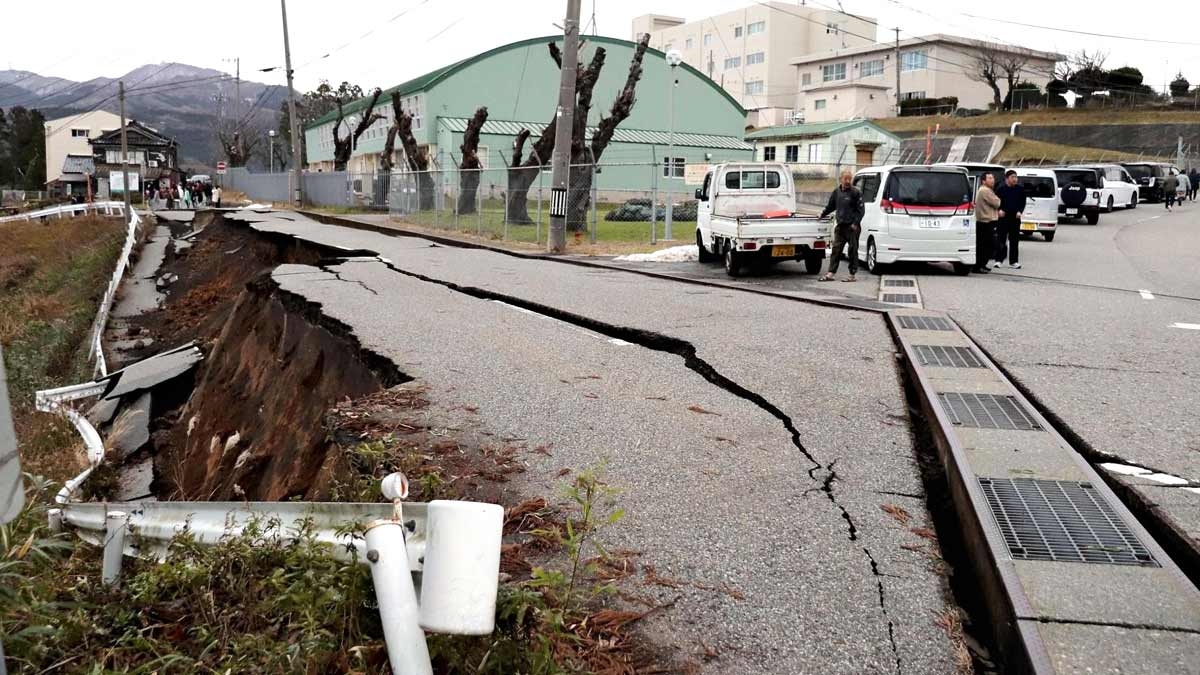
(271, 148)
(674, 58)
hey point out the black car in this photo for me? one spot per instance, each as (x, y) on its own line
(1150, 177)
(1079, 193)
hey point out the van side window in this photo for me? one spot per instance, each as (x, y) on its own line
(733, 180)
(869, 185)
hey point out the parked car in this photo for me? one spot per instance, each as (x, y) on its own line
(635, 210)
(201, 178)
(1041, 202)
(976, 171)
(746, 215)
(1079, 193)
(1120, 189)
(1150, 177)
(917, 213)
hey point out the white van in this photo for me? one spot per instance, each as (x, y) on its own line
(1041, 202)
(917, 213)
(1120, 190)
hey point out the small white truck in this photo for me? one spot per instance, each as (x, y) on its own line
(746, 214)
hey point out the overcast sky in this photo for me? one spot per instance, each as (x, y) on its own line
(73, 41)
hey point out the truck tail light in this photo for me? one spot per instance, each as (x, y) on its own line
(818, 244)
(750, 246)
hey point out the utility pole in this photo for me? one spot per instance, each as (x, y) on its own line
(124, 152)
(294, 183)
(564, 118)
(896, 58)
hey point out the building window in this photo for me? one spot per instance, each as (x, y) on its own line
(756, 27)
(673, 167)
(769, 153)
(737, 31)
(756, 57)
(754, 87)
(79, 133)
(833, 71)
(689, 43)
(814, 153)
(733, 62)
(707, 39)
(819, 104)
(791, 154)
(806, 79)
(918, 60)
(869, 68)
(831, 28)
(910, 95)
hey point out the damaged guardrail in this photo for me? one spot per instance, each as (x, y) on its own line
(109, 208)
(95, 346)
(453, 546)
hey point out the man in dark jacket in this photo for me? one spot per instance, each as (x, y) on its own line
(846, 202)
(1194, 178)
(1008, 228)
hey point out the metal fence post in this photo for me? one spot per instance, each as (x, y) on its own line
(114, 546)
(537, 236)
(595, 196)
(653, 196)
(398, 609)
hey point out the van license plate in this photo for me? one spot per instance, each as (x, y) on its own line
(929, 223)
(783, 251)
(1071, 212)
(1029, 227)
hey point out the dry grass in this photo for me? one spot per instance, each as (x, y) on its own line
(1019, 150)
(51, 278)
(1055, 117)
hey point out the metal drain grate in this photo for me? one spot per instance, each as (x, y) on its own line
(986, 411)
(1061, 521)
(947, 357)
(925, 323)
(902, 298)
(900, 283)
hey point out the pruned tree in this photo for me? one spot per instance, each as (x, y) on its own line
(1012, 64)
(344, 147)
(238, 149)
(417, 157)
(470, 167)
(389, 145)
(584, 154)
(984, 66)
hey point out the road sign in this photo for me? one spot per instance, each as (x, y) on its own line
(220, 168)
(116, 182)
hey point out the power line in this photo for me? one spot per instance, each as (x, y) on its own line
(1084, 32)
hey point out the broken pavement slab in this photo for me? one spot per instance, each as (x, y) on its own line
(151, 372)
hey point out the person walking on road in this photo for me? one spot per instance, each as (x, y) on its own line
(1008, 230)
(216, 196)
(987, 211)
(846, 202)
(1194, 178)
(1170, 185)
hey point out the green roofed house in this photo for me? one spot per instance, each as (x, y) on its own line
(518, 83)
(823, 148)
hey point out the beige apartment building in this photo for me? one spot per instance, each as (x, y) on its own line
(860, 82)
(69, 136)
(750, 51)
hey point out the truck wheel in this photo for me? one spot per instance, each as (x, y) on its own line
(1093, 217)
(705, 256)
(812, 263)
(873, 265)
(733, 262)
(1048, 236)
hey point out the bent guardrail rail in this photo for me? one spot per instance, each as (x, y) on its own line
(95, 346)
(109, 208)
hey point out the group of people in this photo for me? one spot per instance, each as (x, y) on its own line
(1181, 188)
(998, 213)
(187, 195)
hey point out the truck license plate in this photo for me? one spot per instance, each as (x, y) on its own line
(1029, 227)
(929, 223)
(783, 251)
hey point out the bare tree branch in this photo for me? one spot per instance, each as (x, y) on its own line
(623, 105)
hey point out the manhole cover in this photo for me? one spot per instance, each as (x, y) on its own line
(902, 298)
(986, 411)
(925, 323)
(900, 283)
(1061, 521)
(947, 357)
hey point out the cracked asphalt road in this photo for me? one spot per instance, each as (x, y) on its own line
(778, 495)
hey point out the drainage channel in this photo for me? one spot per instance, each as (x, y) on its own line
(903, 290)
(1046, 615)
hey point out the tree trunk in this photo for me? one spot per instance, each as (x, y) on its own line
(417, 158)
(579, 194)
(470, 168)
(520, 179)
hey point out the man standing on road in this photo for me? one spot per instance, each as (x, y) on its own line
(1194, 177)
(847, 202)
(1170, 185)
(1008, 230)
(987, 206)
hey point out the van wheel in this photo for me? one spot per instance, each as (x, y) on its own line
(1133, 201)
(873, 265)
(1110, 204)
(733, 262)
(962, 269)
(705, 256)
(1093, 218)
(1048, 236)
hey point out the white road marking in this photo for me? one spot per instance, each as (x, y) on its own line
(1187, 326)
(1191, 489)
(1165, 479)
(1146, 295)
(1125, 469)
(583, 331)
